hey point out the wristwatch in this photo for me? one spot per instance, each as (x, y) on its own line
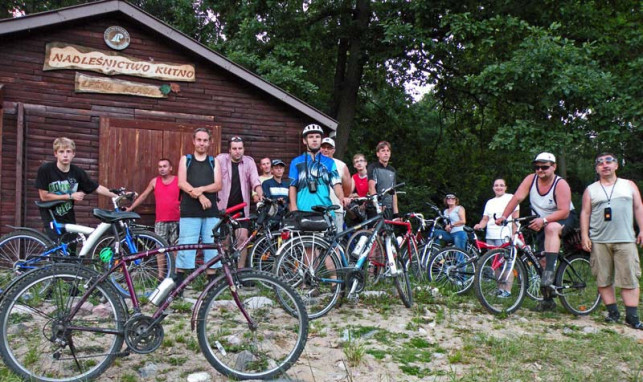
(69, 196)
(545, 222)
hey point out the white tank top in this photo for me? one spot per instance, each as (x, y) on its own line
(545, 204)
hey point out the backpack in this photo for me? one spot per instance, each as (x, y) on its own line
(189, 160)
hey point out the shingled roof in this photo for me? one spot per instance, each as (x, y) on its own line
(107, 7)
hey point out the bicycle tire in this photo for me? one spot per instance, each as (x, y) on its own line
(146, 273)
(533, 279)
(428, 251)
(452, 269)
(492, 273)
(35, 336)
(413, 261)
(264, 252)
(576, 285)
(304, 272)
(240, 353)
(17, 246)
(402, 282)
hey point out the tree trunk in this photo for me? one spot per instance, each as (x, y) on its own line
(347, 92)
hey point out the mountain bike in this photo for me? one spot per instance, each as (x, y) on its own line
(319, 270)
(266, 235)
(507, 270)
(68, 322)
(454, 269)
(26, 249)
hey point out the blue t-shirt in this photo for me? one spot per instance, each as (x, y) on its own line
(321, 170)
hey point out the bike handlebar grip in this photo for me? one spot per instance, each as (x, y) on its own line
(234, 208)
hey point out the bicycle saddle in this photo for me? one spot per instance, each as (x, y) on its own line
(468, 229)
(325, 209)
(114, 216)
(51, 204)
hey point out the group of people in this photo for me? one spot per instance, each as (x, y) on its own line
(188, 204)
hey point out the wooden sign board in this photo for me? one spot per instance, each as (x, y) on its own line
(63, 56)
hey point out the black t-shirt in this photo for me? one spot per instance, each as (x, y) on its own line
(199, 173)
(52, 179)
(236, 197)
(384, 177)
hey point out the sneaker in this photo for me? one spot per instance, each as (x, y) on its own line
(613, 318)
(634, 323)
(546, 305)
(503, 293)
(547, 279)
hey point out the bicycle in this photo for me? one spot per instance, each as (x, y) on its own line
(454, 269)
(507, 269)
(266, 240)
(77, 329)
(27, 249)
(319, 269)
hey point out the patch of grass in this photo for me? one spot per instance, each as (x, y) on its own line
(129, 378)
(181, 306)
(456, 357)
(377, 354)
(354, 351)
(193, 345)
(177, 361)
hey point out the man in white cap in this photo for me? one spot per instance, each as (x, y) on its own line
(328, 149)
(550, 198)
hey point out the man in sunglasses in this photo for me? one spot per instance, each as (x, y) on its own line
(610, 206)
(550, 199)
(240, 179)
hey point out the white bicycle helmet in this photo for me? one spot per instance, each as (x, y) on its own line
(312, 128)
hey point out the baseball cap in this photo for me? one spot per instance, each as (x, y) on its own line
(450, 195)
(329, 141)
(545, 157)
(278, 162)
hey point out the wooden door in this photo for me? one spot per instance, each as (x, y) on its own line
(130, 149)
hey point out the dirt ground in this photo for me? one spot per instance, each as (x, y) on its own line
(383, 333)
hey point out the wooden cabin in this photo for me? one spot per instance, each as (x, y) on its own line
(129, 90)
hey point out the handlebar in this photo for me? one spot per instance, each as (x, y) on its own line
(517, 220)
(378, 195)
(122, 194)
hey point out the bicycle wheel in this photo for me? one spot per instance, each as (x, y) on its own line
(306, 263)
(17, 246)
(146, 273)
(452, 269)
(39, 339)
(577, 286)
(499, 287)
(263, 350)
(413, 261)
(533, 279)
(402, 282)
(264, 252)
(428, 251)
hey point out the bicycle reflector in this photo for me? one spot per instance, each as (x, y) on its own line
(106, 254)
(285, 235)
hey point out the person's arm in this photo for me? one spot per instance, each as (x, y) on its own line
(585, 214)
(396, 210)
(102, 190)
(141, 198)
(483, 223)
(183, 176)
(462, 216)
(292, 195)
(520, 195)
(347, 181)
(638, 211)
(46, 196)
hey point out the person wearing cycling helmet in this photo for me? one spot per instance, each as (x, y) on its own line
(313, 175)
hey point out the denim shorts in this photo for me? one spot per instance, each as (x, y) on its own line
(190, 231)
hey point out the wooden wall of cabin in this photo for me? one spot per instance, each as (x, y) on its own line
(52, 109)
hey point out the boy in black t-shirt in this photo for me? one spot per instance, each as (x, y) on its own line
(62, 180)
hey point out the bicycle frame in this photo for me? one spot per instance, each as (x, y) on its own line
(121, 265)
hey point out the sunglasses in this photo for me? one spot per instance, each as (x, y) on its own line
(543, 168)
(605, 160)
(236, 139)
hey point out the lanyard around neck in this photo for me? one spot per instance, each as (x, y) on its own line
(609, 198)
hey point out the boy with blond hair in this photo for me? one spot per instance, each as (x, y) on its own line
(61, 180)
